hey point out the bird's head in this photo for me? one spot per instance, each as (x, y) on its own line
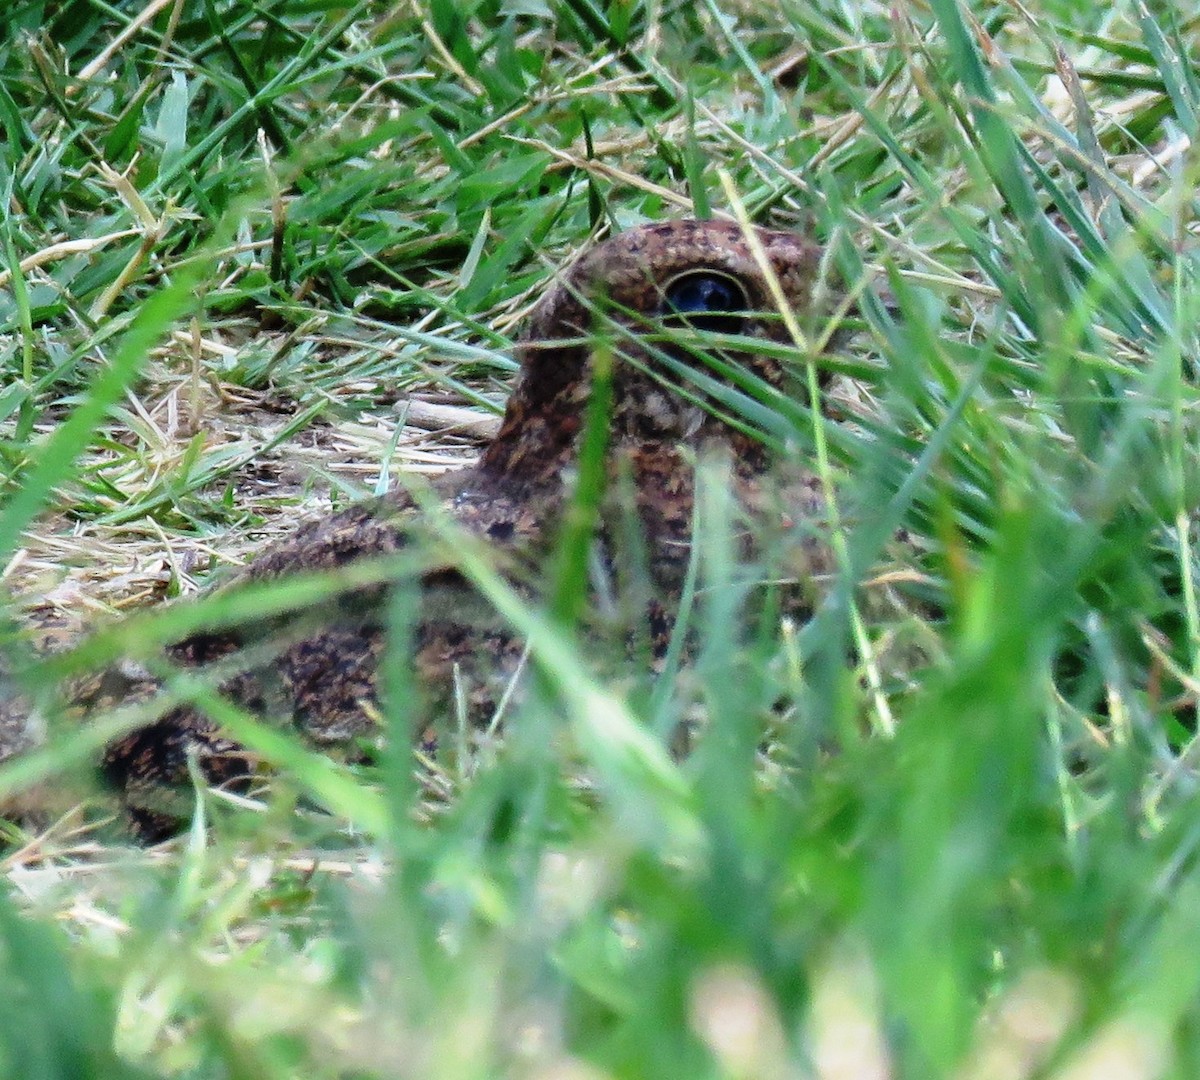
(688, 312)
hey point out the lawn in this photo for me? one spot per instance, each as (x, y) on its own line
(262, 259)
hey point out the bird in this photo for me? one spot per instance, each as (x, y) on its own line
(680, 313)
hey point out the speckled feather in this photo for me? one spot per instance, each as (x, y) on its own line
(323, 680)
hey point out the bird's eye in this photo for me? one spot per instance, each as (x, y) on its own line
(708, 300)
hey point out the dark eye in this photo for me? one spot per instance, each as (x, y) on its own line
(708, 301)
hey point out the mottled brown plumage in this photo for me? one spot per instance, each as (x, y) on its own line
(319, 674)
